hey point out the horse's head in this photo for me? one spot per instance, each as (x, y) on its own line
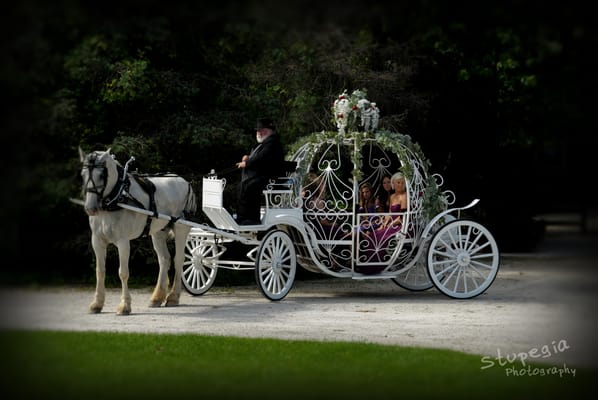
(100, 174)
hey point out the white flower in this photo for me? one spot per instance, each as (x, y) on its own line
(375, 115)
(342, 111)
(348, 109)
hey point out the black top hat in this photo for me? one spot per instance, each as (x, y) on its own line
(264, 123)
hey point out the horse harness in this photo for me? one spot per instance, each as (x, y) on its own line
(120, 193)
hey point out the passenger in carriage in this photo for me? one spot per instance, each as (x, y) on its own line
(383, 195)
(390, 225)
(368, 205)
(266, 161)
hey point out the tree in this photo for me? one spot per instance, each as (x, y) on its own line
(180, 87)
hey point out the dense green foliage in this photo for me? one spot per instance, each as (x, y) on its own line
(74, 365)
(179, 86)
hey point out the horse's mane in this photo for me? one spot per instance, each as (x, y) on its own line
(142, 178)
(137, 174)
(100, 153)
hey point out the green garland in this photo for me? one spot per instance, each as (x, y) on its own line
(434, 200)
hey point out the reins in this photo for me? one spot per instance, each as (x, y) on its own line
(120, 192)
(222, 172)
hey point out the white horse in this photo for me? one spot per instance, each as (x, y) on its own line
(105, 183)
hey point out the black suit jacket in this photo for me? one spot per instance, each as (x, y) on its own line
(266, 160)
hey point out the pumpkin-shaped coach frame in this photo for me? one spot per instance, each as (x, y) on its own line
(311, 218)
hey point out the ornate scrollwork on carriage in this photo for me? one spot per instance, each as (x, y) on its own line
(313, 216)
(334, 165)
(342, 235)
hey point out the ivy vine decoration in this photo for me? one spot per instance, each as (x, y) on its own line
(434, 201)
(356, 156)
(401, 145)
(352, 113)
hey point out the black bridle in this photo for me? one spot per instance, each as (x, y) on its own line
(108, 202)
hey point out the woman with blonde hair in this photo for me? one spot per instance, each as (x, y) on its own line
(390, 224)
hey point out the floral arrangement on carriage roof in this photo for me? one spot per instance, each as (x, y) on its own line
(348, 110)
(354, 112)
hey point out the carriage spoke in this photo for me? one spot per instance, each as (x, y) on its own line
(483, 255)
(451, 267)
(478, 272)
(480, 264)
(473, 266)
(479, 248)
(277, 283)
(195, 281)
(466, 237)
(468, 276)
(443, 261)
(200, 265)
(457, 279)
(475, 241)
(454, 242)
(276, 265)
(448, 246)
(191, 245)
(444, 254)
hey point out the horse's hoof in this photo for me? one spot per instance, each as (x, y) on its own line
(123, 310)
(154, 303)
(171, 303)
(95, 309)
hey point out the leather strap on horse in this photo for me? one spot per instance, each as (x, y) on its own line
(108, 202)
(149, 187)
(117, 194)
(120, 194)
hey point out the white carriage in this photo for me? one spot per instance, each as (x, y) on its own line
(434, 247)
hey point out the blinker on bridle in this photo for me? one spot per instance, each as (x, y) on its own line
(108, 202)
(90, 165)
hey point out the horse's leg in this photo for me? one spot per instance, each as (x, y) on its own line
(124, 249)
(180, 235)
(161, 248)
(99, 248)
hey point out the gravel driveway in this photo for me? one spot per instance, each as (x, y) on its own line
(543, 301)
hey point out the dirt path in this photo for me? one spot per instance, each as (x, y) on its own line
(544, 302)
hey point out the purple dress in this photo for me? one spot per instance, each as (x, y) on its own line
(379, 240)
(368, 223)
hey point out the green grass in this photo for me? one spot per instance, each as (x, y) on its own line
(72, 365)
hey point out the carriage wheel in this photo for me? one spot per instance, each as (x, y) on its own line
(275, 265)
(417, 278)
(200, 265)
(463, 259)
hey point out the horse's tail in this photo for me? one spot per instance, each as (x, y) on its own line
(191, 202)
